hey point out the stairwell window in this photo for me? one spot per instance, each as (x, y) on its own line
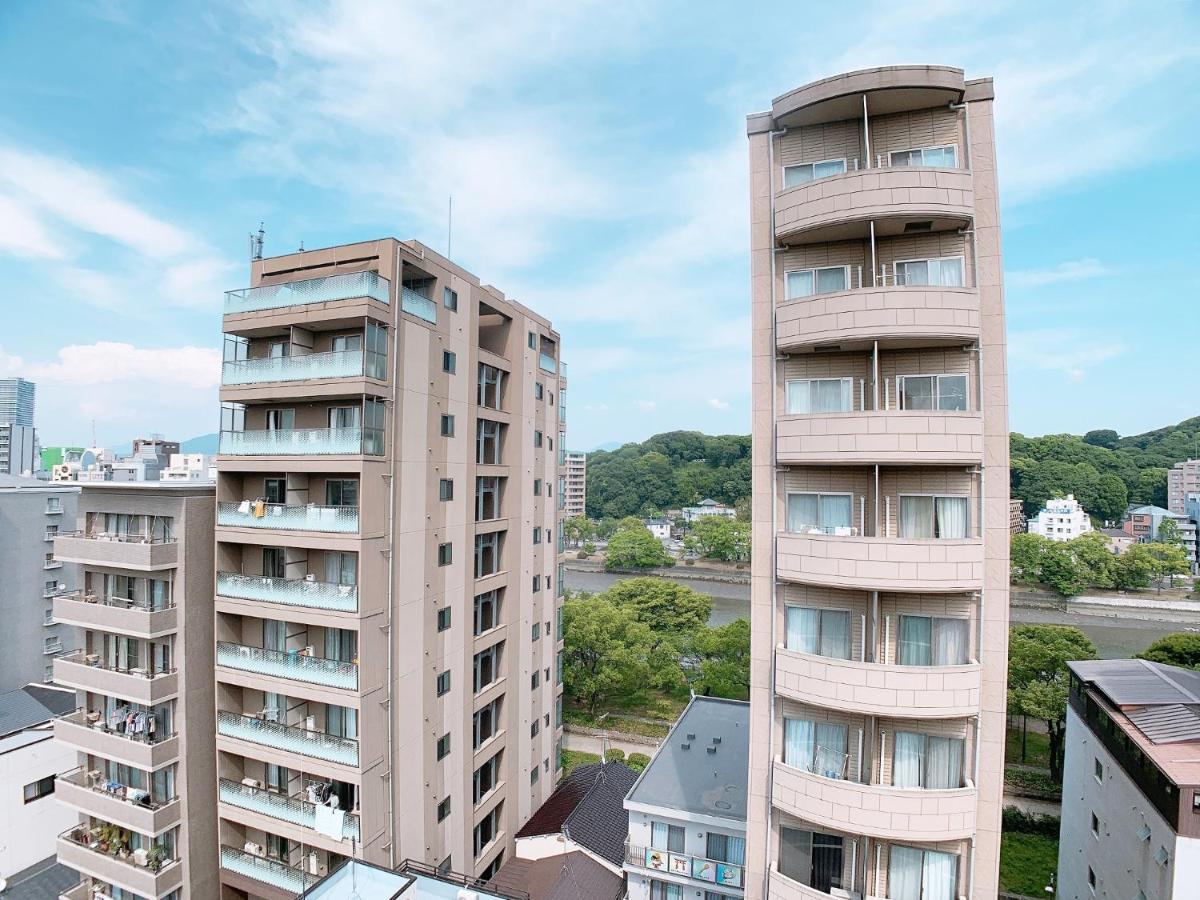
(945, 271)
(939, 157)
(799, 174)
(824, 513)
(820, 632)
(819, 395)
(944, 392)
(932, 641)
(923, 516)
(928, 762)
(806, 282)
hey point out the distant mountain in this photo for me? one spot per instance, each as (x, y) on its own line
(203, 443)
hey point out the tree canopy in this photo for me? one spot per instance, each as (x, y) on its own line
(1070, 567)
(1181, 648)
(665, 607)
(634, 547)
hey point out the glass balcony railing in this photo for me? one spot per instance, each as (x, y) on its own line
(279, 806)
(251, 514)
(335, 364)
(268, 871)
(349, 286)
(697, 867)
(421, 307)
(289, 591)
(548, 363)
(562, 370)
(315, 744)
(303, 442)
(288, 664)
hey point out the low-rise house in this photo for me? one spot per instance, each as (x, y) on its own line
(660, 528)
(1118, 540)
(708, 507)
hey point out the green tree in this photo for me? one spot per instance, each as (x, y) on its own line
(1038, 678)
(1151, 486)
(607, 652)
(1092, 552)
(1131, 570)
(1182, 648)
(721, 538)
(1061, 571)
(576, 529)
(1166, 561)
(635, 548)
(1102, 437)
(665, 607)
(631, 522)
(720, 661)
(1026, 551)
(1169, 533)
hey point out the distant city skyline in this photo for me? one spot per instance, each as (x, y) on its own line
(596, 155)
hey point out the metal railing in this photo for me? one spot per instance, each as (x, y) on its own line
(311, 517)
(268, 871)
(84, 719)
(80, 777)
(413, 867)
(99, 534)
(826, 762)
(93, 661)
(334, 364)
(348, 286)
(293, 665)
(421, 307)
(91, 839)
(295, 810)
(302, 442)
(701, 868)
(289, 591)
(562, 369)
(316, 744)
(84, 596)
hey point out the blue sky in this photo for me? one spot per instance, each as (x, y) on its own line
(597, 156)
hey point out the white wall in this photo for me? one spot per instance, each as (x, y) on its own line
(28, 831)
(695, 843)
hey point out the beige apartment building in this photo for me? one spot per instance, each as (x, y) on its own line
(144, 788)
(576, 475)
(881, 507)
(388, 590)
(1182, 479)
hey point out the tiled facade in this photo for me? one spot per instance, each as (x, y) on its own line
(881, 509)
(576, 475)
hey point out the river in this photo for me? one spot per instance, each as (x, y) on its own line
(1115, 635)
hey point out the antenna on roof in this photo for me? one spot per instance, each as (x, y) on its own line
(256, 242)
(449, 225)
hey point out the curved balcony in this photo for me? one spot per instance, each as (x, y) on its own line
(839, 207)
(88, 733)
(294, 810)
(879, 811)
(912, 437)
(784, 888)
(920, 692)
(280, 517)
(289, 591)
(889, 89)
(116, 551)
(888, 314)
(83, 850)
(293, 666)
(880, 563)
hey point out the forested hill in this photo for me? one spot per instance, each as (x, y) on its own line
(1102, 469)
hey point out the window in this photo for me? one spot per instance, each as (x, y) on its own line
(535, 680)
(537, 534)
(933, 517)
(486, 777)
(941, 157)
(817, 747)
(446, 865)
(491, 869)
(340, 568)
(487, 442)
(537, 583)
(921, 873)
(534, 774)
(807, 282)
(666, 837)
(932, 641)
(819, 395)
(663, 890)
(487, 611)
(43, 787)
(537, 487)
(535, 728)
(443, 619)
(550, 444)
(487, 666)
(1098, 770)
(487, 497)
(537, 438)
(944, 271)
(443, 809)
(532, 340)
(946, 392)
(486, 722)
(487, 829)
(925, 761)
(826, 513)
(1091, 880)
(538, 390)
(450, 299)
(343, 343)
(51, 532)
(447, 426)
(341, 492)
(812, 858)
(726, 848)
(794, 175)
(491, 386)
(443, 683)
(446, 489)
(487, 554)
(443, 746)
(1095, 827)
(275, 490)
(53, 504)
(449, 361)
(445, 554)
(536, 631)
(821, 632)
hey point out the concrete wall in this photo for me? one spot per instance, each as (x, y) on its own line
(28, 830)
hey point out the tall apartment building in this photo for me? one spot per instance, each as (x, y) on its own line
(1182, 479)
(18, 438)
(388, 590)
(576, 483)
(32, 513)
(17, 401)
(880, 490)
(145, 786)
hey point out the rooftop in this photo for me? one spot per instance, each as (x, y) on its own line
(588, 808)
(702, 766)
(32, 705)
(23, 483)
(357, 880)
(569, 876)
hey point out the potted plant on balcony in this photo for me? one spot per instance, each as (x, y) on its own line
(156, 858)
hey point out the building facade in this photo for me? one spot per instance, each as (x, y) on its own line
(1061, 519)
(32, 513)
(390, 488)
(1132, 826)
(1142, 524)
(17, 401)
(18, 449)
(576, 474)
(1016, 517)
(1182, 479)
(880, 490)
(708, 507)
(144, 789)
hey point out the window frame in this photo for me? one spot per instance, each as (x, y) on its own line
(848, 390)
(923, 150)
(787, 295)
(962, 270)
(812, 167)
(450, 299)
(936, 497)
(937, 391)
(449, 362)
(818, 495)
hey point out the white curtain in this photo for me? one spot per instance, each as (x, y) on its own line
(940, 875)
(904, 874)
(944, 763)
(831, 750)
(916, 517)
(835, 634)
(831, 279)
(798, 739)
(818, 395)
(802, 629)
(952, 517)
(949, 271)
(735, 850)
(836, 511)
(799, 284)
(915, 640)
(949, 642)
(799, 397)
(908, 760)
(801, 512)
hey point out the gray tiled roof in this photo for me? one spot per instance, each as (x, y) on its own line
(588, 808)
(21, 709)
(41, 881)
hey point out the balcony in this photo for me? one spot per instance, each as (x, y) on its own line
(293, 666)
(289, 591)
(267, 871)
(115, 614)
(83, 850)
(710, 871)
(419, 306)
(86, 792)
(83, 671)
(784, 888)
(881, 563)
(879, 811)
(88, 733)
(81, 891)
(278, 517)
(923, 692)
(334, 364)
(547, 363)
(916, 437)
(301, 741)
(281, 807)
(114, 551)
(841, 206)
(350, 286)
(303, 442)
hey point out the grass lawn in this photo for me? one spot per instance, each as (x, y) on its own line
(1036, 783)
(651, 705)
(1037, 748)
(1026, 863)
(573, 758)
(624, 714)
(615, 722)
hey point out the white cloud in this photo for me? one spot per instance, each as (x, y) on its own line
(107, 362)
(1072, 270)
(1062, 350)
(22, 232)
(718, 404)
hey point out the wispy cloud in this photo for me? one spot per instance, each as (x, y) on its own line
(718, 404)
(1072, 270)
(1062, 350)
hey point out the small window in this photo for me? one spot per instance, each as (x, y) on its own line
(445, 554)
(538, 390)
(535, 728)
(1098, 770)
(1195, 801)
(550, 444)
(941, 157)
(447, 426)
(534, 774)
(1095, 827)
(537, 535)
(537, 583)
(535, 680)
(43, 787)
(537, 438)
(536, 631)
(533, 340)
(449, 361)
(794, 175)
(537, 487)
(443, 619)
(546, 764)
(443, 746)
(446, 489)
(443, 683)
(1091, 880)
(443, 809)
(806, 282)
(450, 299)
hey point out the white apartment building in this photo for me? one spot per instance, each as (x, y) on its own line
(1062, 519)
(708, 507)
(576, 474)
